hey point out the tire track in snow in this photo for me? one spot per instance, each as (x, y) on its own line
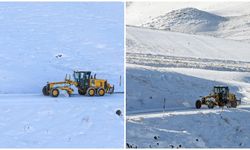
(187, 62)
(174, 112)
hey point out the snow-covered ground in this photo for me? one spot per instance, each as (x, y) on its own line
(228, 128)
(180, 87)
(43, 42)
(35, 121)
(181, 67)
(150, 82)
(172, 70)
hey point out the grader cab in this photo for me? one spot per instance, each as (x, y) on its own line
(83, 81)
(88, 84)
(220, 96)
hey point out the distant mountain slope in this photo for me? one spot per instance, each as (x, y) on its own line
(189, 20)
(142, 12)
(229, 20)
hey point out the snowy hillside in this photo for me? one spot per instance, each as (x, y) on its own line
(189, 20)
(180, 87)
(42, 42)
(139, 40)
(229, 20)
(172, 70)
(141, 12)
(181, 68)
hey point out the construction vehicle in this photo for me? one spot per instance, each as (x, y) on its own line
(83, 81)
(219, 97)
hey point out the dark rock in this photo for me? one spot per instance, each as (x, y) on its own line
(119, 112)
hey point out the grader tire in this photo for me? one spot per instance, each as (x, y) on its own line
(233, 104)
(54, 92)
(198, 104)
(221, 104)
(101, 92)
(45, 91)
(91, 92)
(210, 105)
(81, 92)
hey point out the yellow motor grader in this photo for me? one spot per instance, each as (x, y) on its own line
(219, 97)
(83, 81)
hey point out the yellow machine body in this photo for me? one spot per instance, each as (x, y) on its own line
(219, 97)
(100, 83)
(86, 84)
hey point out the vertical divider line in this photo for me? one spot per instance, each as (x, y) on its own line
(125, 89)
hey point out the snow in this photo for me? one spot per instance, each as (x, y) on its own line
(228, 20)
(203, 128)
(180, 87)
(35, 121)
(86, 35)
(186, 20)
(139, 40)
(141, 12)
(167, 72)
(43, 42)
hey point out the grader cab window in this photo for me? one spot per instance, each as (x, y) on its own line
(221, 90)
(81, 75)
(93, 82)
(76, 76)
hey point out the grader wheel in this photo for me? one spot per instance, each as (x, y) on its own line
(54, 92)
(221, 104)
(81, 92)
(91, 92)
(233, 104)
(101, 92)
(45, 91)
(198, 104)
(210, 105)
